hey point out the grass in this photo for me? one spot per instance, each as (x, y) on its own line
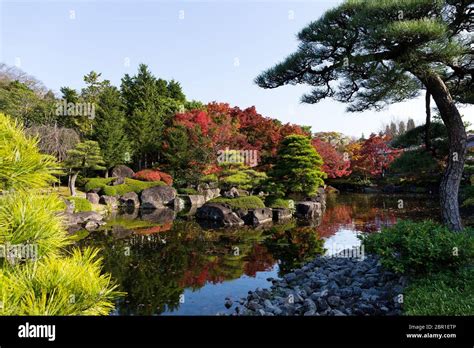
(246, 202)
(188, 191)
(445, 293)
(97, 183)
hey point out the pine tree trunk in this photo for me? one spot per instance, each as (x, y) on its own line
(428, 121)
(72, 183)
(457, 139)
(107, 173)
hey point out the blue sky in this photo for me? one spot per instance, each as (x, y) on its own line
(213, 48)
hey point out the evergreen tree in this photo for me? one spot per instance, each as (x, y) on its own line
(109, 128)
(297, 167)
(85, 156)
(410, 124)
(401, 128)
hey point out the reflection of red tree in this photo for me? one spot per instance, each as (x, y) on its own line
(334, 218)
(155, 229)
(258, 260)
(198, 274)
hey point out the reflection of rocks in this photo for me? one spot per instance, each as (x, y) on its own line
(129, 199)
(219, 213)
(337, 286)
(157, 197)
(282, 214)
(89, 220)
(119, 232)
(159, 216)
(258, 216)
(308, 210)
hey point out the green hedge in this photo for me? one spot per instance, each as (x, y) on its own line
(246, 202)
(276, 202)
(130, 185)
(421, 247)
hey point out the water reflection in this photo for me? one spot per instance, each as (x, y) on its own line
(176, 266)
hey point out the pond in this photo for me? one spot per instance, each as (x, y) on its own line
(171, 265)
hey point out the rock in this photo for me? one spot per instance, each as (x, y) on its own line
(93, 197)
(109, 200)
(70, 206)
(243, 192)
(228, 303)
(129, 199)
(333, 301)
(321, 304)
(281, 214)
(197, 200)
(157, 197)
(209, 193)
(308, 210)
(258, 216)
(180, 202)
(232, 193)
(82, 217)
(93, 225)
(289, 277)
(219, 213)
(122, 171)
(118, 181)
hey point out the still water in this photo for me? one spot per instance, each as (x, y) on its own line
(171, 265)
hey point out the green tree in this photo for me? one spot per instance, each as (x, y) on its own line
(297, 167)
(109, 128)
(148, 107)
(383, 52)
(85, 156)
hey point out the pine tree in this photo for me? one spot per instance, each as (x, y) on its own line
(109, 128)
(297, 167)
(410, 124)
(85, 156)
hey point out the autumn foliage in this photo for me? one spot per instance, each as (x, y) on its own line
(153, 175)
(335, 165)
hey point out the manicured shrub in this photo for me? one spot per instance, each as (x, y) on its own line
(97, 183)
(80, 204)
(243, 178)
(445, 293)
(130, 185)
(210, 178)
(246, 202)
(277, 202)
(153, 175)
(420, 247)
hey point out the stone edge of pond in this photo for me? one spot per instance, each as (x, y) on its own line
(328, 286)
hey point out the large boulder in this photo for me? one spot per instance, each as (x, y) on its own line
(308, 210)
(122, 171)
(129, 199)
(93, 197)
(157, 197)
(282, 214)
(221, 214)
(319, 197)
(258, 216)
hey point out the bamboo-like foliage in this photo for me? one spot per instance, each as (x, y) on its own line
(32, 219)
(46, 282)
(58, 286)
(22, 166)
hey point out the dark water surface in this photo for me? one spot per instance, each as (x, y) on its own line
(173, 266)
